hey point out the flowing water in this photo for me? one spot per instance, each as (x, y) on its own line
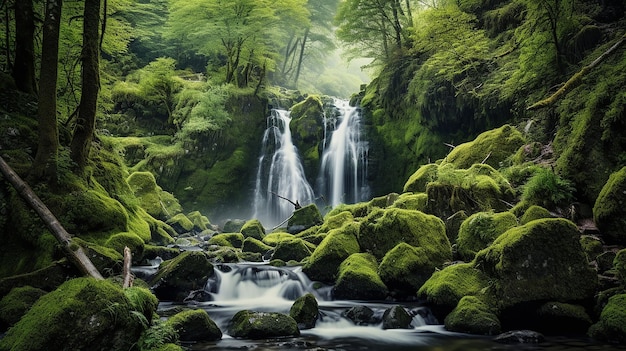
(343, 170)
(280, 175)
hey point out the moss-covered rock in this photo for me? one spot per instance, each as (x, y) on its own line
(453, 224)
(195, 325)
(410, 201)
(305, 311)
(200, 222)
(336, 220)
(384, 229)
(303, 218)
(324, 262)
(612, 324)
(261, 325)
(94, 212)
(227, 239)
(473, 316)
(295, 249)
(480, 230)
(233, 225)
(446, 287)
(253, 229)
(251, 244)
(562, 318)
(274, 238)
(593, 247)
(619, 263)
(396, 317)
(542, 260)
(16, 303)
(491, 147)
(534, 212)
(107, 260)
(177, 277)
(418, 181)
(161, 233)
(81, 314)
(383, 201)
(609, 211)
(358, 279)
(180, 223)
(142, 300)
(358, 210)
(145, 188)
(405, 268)
(121, 240)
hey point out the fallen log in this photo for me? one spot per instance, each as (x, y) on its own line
(75, 254)
(128, 275)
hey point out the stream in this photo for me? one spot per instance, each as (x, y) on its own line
(259, 287)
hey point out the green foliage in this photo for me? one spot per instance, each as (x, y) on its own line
(200, 113)
(548, 190)
(159, 334)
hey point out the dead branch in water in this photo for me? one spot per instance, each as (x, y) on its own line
(296, 204)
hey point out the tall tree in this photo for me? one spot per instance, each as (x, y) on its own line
(45, 164)
(24, 66)
(86, 122)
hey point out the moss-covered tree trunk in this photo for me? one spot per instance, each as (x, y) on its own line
(24, 67)
(86, 122)
(45, 164)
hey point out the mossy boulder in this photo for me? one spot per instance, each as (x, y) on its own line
(396, 317)
(145, 188)
(94, 211)
(195, 325)
(305, 311)
(16, 303)
(619, 263)
(81, 314)
(453, 224)
(262, 325)
(338, 245)
(358, 210)
(253, 229)
(410, 201)
(273, 239)
(200, 222)
(473, 316)
(481, 229)
(161, 233)
(609, 211)
(612, 324)
(418, 181)
(295, 249)
(491, 147)
(405, 268)
(233, 225)
(227, 239)
(383, 201)
(562, 318)
(180, 223)
(177, 277)
(251, 244)
(447, 287)
(336, 220)
(384, 229)
(107, 260)
(142, 300)
(542, 260)
(121, 240)
(593, 247)
(358, 279)
(534, 212)
(303, 218)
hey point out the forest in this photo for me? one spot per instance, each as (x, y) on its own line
(488, 129)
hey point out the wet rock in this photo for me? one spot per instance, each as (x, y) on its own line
(195, 325)
(405, 268)
(180, 223)
(305, 311)
(609, 211)
(473, 316)
(562, 318)
(361, 315)
(176, 278)
(254, 245)
(260, 325)
(200, 222)
(233, 225)
(227, 239)
(520, 337)
(396, 317)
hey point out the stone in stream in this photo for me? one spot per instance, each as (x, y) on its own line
(305, 311)
(195, 325)
(396, 317)
(361, 315)
(261, 325)
(520, 337)
(176, 278)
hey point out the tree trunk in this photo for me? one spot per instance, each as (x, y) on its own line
(301, 57)
(75, 254)
(24, 67)
(86, 122)
(45, 164)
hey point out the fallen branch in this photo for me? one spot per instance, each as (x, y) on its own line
(75, 254)
(576, 78)
(295, 204)
(128, 275)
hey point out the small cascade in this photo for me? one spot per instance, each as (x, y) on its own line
(279, 173)
(343, 171)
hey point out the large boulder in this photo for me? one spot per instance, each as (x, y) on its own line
(396, 317)
(16, 303)
(262, 325)
(303, 218)
(180, 223)
(612, 324)
(323, 265)
(358, 279)
(384, 229)
(473, 316)
(305, 311)
(177, 277)
(253, 245)
(156, 202)
(418, 181)
(480, 230)
(411, 201)
(194, 325)
(609, 211)
(82, 314)
(227, 239)
(200, 222)
(405, 268)
(253, 229)
(542, 260)
(295, 249)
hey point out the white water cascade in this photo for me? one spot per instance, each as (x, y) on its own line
(343, 172)
(279, 173)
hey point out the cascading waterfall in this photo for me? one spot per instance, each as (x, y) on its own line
(279, 173)
(343, 172)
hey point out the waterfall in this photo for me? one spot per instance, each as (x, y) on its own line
(343, 172)
(279, 172)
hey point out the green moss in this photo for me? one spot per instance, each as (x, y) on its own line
(142, 301)
(609, 211)
(107, 260)
(273, 239)
(534, 212)
(176, 277)
(305, 311)
(180, 223)
(545, 188)
(446, 287)
(16, 303)
(305, 217)
(592, 246)
(480, 230)
(94, 212)
(542, 260)
(227, 239)
(384, 229)
(405, 268)
(253, 229)
(410, 201)
(612, 324)
(144, 186)
(295, 249)
(619, 263)
(96, 313)
(262, 325)
(336, 220)
(358, 210)
(139, 224)
(418, 181)
(199, 221)
(130, 240)
(195, 325)
(251, 244)
(358, 279)
(492, 147)
(559, 317)
(383, 201)
(473, 316)
(340, 243)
